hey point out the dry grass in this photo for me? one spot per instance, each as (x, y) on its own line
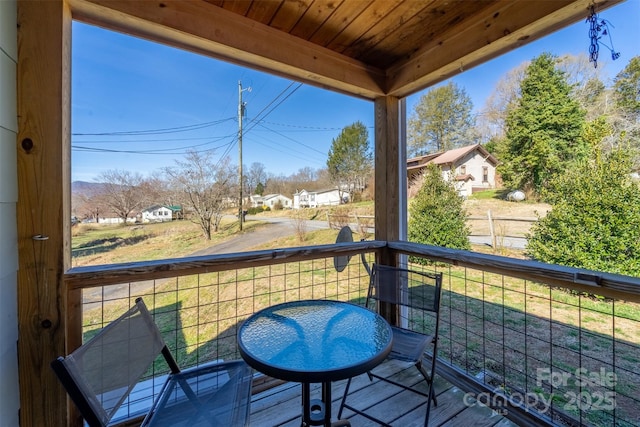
(491, 318)
(94, 244)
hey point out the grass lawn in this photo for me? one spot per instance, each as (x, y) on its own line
(493, 317)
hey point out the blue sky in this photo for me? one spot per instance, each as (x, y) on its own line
(139, 106)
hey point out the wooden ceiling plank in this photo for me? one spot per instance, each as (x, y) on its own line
(397, 19)
(341, 18)
(240, 7)
(435, 18)
(263, 11)
(209, 30)
(369, 17)
(289, 14)
(510, 26)
(313, 18)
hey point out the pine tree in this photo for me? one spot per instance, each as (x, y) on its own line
(436, 214)
(350, 159)
(544, 130)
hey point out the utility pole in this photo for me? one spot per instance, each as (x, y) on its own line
(240, 116)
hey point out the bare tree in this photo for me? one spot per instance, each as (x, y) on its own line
(279, 184)
(87, 205)
(121, 192)
(492, 118)
(205, 186)
(587, 85)
(257, 175)
(158, 190)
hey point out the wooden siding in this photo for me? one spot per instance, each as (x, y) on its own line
(9, 389)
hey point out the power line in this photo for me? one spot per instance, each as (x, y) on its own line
(306, 128)
(165, 151)
(104, 141)
(253, 121)
(275, 146)
(177, 129)
(291, 139)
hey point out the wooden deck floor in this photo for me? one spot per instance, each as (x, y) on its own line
(281, 406)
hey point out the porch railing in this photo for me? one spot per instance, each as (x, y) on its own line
(531, 340)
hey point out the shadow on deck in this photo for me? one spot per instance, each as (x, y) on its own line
(281, 405)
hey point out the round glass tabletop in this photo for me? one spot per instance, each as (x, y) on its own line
(314, 340)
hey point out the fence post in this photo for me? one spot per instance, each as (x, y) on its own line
(491, 230)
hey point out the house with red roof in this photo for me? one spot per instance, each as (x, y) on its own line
(472, 168)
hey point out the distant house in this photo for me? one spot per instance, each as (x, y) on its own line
(160, 213)
(113, 220)
(270, 201)
(313, 199)
(255, 201)
(472, 168)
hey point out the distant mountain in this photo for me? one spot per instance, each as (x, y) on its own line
(86, 188)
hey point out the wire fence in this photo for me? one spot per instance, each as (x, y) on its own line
(567, 356)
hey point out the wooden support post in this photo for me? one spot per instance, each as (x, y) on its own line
(43, 210)
(387, 175)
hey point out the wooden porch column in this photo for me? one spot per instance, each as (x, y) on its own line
(390, 172)
(43, 209)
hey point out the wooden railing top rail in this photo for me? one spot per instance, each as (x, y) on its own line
(110, 274)
(610, 285)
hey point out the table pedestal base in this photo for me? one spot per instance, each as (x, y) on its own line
(317, 412)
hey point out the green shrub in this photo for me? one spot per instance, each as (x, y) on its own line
(253, 211)
(594, 222)
(436, 214)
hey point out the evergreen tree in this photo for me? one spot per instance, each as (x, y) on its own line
(594, 218)
(441, 121)
(350, 160)
(544, 130)
(436, 214)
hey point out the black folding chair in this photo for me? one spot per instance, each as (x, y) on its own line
(416, 295)
(101, 374)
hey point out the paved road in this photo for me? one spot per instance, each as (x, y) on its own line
(280, 227)
(276, 229)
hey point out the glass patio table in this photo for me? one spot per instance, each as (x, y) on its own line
(315, 341)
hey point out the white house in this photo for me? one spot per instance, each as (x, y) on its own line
(255, 201)
(157, 213)
(313, 199)
(472, 167)
(271, 200)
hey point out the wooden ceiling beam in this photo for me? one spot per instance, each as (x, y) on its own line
(212, 31)
(506, 25)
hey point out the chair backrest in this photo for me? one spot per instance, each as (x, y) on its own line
(101, 373)
(412, 289)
